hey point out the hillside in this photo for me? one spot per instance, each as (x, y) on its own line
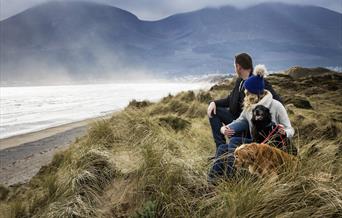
(150, 160)
(82, 41)
(300, 72)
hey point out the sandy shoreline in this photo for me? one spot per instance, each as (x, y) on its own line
(34, 136)
(22, 156)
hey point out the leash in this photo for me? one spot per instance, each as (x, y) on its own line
(271, 134)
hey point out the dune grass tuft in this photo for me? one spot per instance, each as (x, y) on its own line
(3, 192)
(139, 104)
(176, 123)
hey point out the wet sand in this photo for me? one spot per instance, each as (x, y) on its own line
(22, 156)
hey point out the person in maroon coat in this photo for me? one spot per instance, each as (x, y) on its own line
(224, 111)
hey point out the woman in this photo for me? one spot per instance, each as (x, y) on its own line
(255, 95)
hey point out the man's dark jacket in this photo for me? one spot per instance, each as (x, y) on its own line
(235, 98)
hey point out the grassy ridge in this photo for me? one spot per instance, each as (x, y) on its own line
(150, 160)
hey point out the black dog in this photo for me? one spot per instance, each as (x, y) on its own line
(262, 123)
(263, 126)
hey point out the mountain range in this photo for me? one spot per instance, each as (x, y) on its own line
(82, 41)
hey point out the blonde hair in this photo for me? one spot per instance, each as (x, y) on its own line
(251, 99)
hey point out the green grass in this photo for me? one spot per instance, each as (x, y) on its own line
(151, 160)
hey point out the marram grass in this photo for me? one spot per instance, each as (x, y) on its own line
(151, 160)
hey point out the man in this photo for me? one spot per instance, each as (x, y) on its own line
(225, 110)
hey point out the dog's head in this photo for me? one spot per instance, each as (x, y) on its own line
(261, 114)
(245, 155)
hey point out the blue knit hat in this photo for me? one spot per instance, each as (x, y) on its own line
(255, 84)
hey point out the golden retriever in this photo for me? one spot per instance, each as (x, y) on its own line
(261, 159)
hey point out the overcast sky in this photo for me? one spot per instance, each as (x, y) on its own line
(157, 9)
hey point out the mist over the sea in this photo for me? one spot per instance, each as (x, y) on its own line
(28, 109)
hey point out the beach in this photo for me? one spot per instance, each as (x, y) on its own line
(22, 156)
(33, 119)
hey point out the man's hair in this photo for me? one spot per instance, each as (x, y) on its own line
(244, 60)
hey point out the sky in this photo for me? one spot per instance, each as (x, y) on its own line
(158, 9)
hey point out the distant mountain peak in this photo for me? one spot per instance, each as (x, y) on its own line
(82, 7)
(82, 40)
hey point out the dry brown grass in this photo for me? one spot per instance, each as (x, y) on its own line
(150, 160)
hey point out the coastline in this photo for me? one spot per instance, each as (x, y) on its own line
(17, 140)
(22, 156)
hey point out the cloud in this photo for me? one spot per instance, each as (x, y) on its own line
(157, 9)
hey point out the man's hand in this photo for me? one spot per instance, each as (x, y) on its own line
(225, 130)
(211, 109)
(281, 129)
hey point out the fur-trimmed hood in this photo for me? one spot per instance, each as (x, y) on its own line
(265, 101)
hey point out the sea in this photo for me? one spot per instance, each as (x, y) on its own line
(29, 109)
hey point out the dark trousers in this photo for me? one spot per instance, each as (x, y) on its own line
(224, 157)
(222, 116)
